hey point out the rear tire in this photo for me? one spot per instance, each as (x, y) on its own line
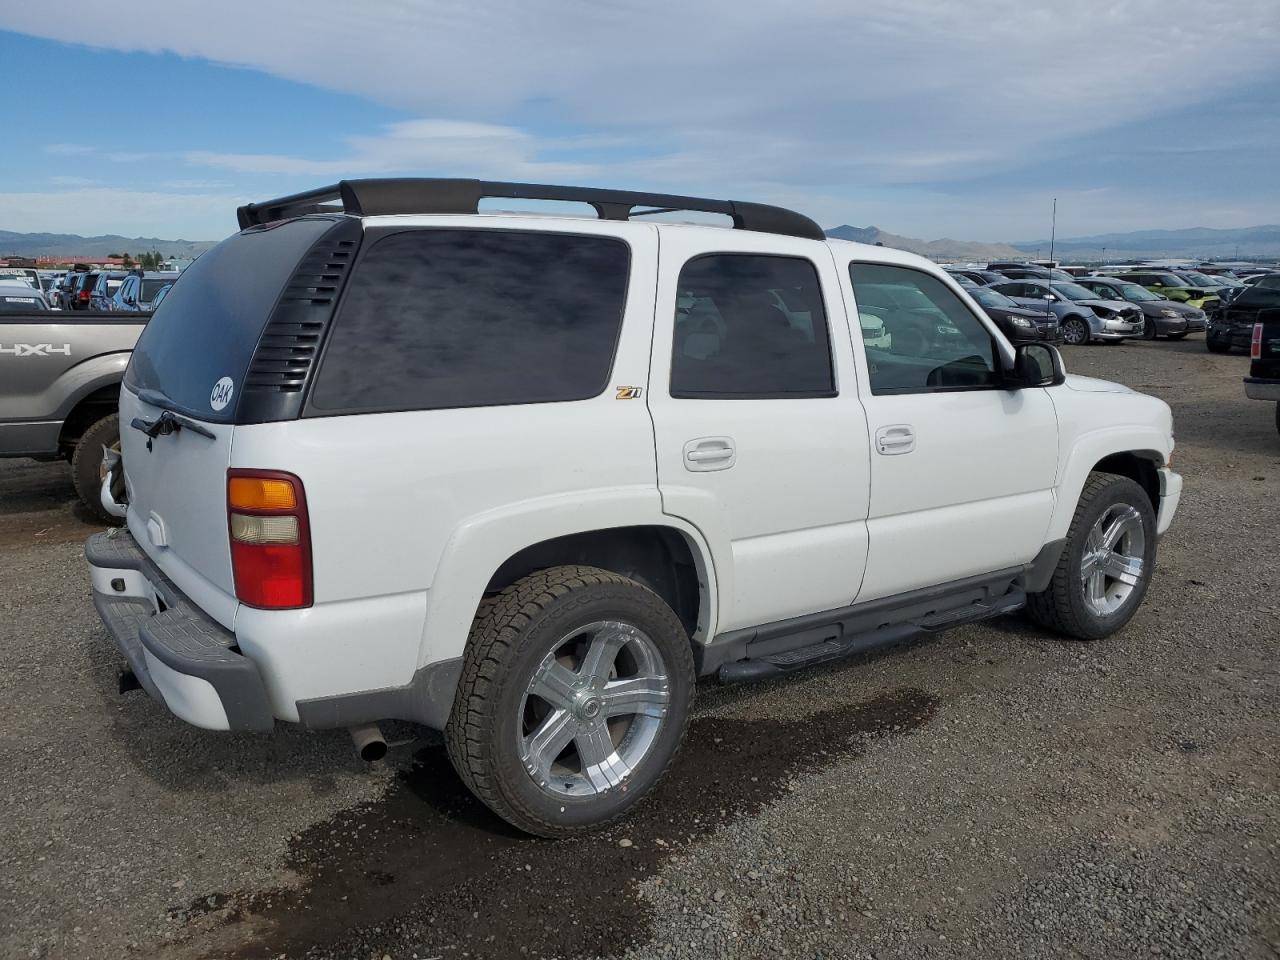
(1113, 531)
(536, 733)
(86, 464)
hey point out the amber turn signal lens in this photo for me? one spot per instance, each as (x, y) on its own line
(260, 493)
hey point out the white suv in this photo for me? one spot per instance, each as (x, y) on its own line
(523, 478)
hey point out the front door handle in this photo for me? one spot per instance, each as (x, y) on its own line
(710, 453)
(895, 439)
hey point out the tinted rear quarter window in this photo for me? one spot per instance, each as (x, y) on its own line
(440, 318)
(209, 324)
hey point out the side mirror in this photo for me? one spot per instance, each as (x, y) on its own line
(1037, 365)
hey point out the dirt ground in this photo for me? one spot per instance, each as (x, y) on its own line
(989, 792)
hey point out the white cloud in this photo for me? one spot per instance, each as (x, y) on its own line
(831, 102)
(480, 149)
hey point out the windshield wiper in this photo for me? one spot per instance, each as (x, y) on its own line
(169, 422)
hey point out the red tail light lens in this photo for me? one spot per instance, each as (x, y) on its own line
(270, 539)
(84, 294)
(1255, 344)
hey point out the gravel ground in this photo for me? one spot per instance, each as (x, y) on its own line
(992, 792)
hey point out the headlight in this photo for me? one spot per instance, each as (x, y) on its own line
(1020, 321)
(1170, 314)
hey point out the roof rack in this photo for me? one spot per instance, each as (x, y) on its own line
(438, 195)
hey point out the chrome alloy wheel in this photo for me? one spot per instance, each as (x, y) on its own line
(593, 709)
(1113, 560)
(1075, 332)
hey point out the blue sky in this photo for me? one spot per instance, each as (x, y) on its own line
(924, 117)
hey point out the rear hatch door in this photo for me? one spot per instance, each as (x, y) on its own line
(182, 399)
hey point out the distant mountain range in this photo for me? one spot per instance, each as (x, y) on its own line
(945, 249)
(1201, 243)
(72, 245)
(1246, 243)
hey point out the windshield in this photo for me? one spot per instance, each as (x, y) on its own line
(151, 287)
(14, 301)
(1169, 280)
(993, 298)
(1201, 278)
(1073, 291)
(1136, 294)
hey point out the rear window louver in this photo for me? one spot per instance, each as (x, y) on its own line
(292, 339)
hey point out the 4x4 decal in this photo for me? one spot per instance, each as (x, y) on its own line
(36, 349)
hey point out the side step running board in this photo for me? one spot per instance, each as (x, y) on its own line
(838, 644)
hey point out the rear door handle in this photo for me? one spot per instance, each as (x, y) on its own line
(710, 453)
(895, 439)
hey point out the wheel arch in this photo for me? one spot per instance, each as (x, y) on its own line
(667, 554)
(1120, 452)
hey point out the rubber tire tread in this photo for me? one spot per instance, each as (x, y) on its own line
(1052, 607)
(86, 460)
(499, 623)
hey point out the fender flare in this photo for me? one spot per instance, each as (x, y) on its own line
(87, 377)
(1088, 450)
(481, 544)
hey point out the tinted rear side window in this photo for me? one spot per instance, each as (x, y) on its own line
(208, 326)
(465, 318)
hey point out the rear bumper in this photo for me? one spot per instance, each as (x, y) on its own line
(1257, 388)
(1170, 496)
(181, 657)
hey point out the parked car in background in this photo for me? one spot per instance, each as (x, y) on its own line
(1263, 381)
(966, 282)
(60, 294)
(16, 297)
(1231, 326)
(60, 386)
(1000, 266)
(1171, 286)
(12, 275)
(160, 295)
(1164, 317)
(1037, 273)
(980, 277)
(101, 296)
(1083, 316)
(1020, 324)
(136, 293)
(82, 290)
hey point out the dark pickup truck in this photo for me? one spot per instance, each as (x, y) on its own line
(1263, 381)
(60, 376)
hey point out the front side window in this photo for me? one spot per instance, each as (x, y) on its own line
(750, 327)
(434, 319)
(933, 341)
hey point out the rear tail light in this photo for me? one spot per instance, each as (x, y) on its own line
(1255, 344)
(84, 294)
(270, 539)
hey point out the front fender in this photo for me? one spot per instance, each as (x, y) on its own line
(481, 544)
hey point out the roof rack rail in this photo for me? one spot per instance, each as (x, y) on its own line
(439, 195)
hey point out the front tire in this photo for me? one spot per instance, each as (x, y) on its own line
(86, 464)
(1075, 331)
(574, 697)
(1216, 346)
(1106, 563)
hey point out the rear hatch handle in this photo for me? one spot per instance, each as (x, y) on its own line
(169, 422)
